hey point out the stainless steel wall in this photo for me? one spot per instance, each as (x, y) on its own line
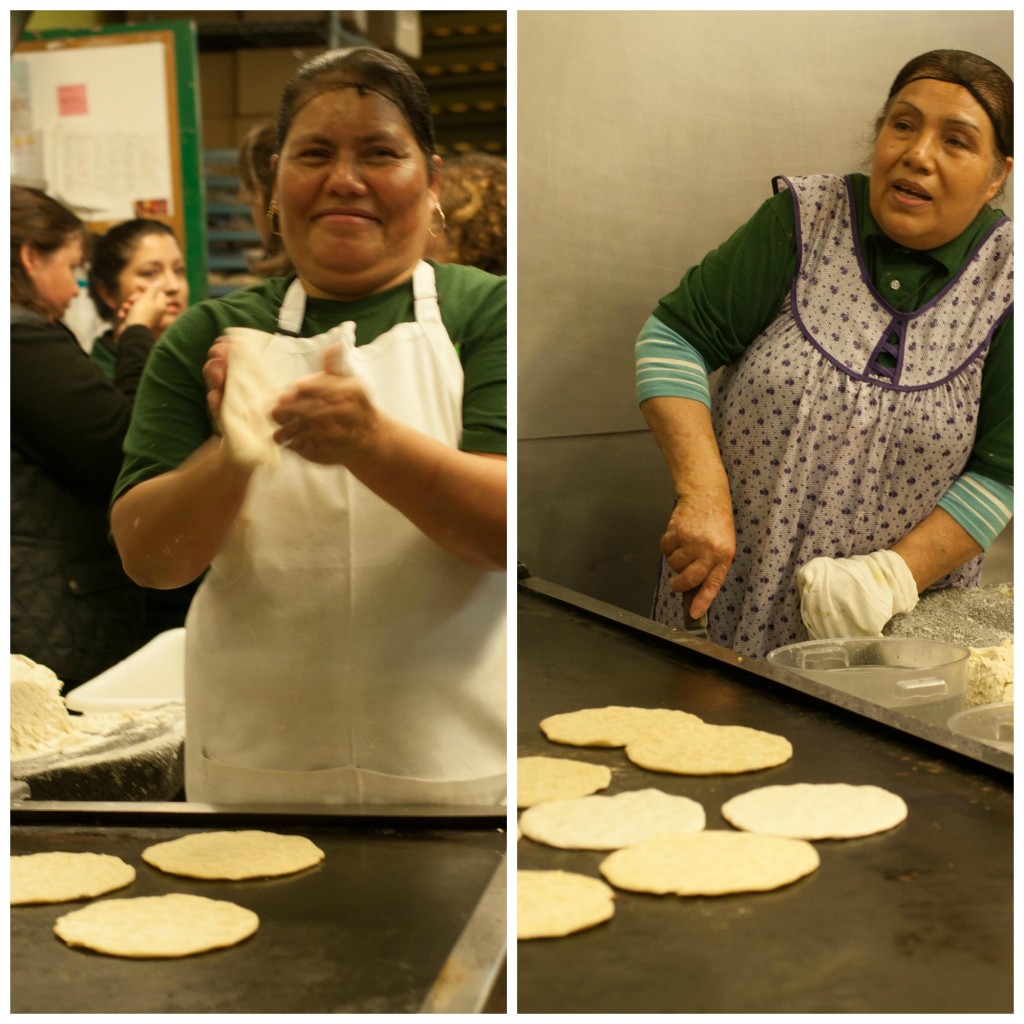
(644, 140)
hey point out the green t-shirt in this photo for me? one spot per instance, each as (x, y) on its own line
(170, 418)
(724, 302)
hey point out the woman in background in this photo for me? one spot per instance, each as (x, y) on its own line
(256, 173)
(473, 197)
(72, 607)
(137, 283)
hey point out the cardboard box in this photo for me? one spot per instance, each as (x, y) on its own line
(398, 31)
(270, 16)
(204, 17)
(262, 74)
(218, 85)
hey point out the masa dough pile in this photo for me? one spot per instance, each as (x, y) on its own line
(990, 675)
(39, 717)
(131, 754)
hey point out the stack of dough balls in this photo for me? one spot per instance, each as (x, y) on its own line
(172, 925)
(658, 841)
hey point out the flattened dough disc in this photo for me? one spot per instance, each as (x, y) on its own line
(557, 778)
(611, 822)
(234, 855)
(709, 750)
(611, 726)
(60, 877)
(250, 393)
(550, 904)
(710, 863)
(816, 810)
(157, 926)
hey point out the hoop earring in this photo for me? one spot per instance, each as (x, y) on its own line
(272, 211)
(444, 222)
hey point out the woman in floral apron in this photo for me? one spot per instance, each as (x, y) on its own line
(347, 644)
(858, 449)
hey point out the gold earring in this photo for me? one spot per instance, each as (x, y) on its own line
(272, 211)
(444, 223)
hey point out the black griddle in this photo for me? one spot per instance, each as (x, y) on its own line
(915, 920)
(406, 913)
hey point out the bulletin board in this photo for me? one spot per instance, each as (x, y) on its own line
(106, 120)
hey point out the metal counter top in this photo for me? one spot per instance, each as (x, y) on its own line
(918, 919)
(406, 913)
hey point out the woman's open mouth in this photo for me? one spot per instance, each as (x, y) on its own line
(909, 194)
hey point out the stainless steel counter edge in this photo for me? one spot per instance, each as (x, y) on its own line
(991, 756)
(133, 812)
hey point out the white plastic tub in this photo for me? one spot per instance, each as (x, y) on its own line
(154, 674)
(989, 723)
(925, 678)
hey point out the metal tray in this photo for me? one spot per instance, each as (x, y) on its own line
(406, 913)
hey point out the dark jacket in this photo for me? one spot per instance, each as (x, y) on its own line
(73, 608)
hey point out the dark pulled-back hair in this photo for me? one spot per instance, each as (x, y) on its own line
(45, 225)
(112, 252)
(367, 70)
(988, 83)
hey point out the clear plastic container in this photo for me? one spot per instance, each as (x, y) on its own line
(925, 678)
(989, 723)
(154, 674)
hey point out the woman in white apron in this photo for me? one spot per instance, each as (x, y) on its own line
(348, 642)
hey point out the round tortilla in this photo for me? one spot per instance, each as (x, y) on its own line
(816, 810)
(557, 778)
(611, 822)
(61, 877)
(157, 926)
(611, 726)
(550, 904)
(233, 856)
(710, 864)
(709, 750)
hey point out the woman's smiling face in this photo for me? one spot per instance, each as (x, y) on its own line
(355, 194)
(935, 164)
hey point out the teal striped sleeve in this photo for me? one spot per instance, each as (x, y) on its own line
(668, 366)
(980, 505)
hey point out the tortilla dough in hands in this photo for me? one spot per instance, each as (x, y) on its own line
(854, 596)
(250, 393)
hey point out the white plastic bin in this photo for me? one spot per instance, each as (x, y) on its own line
(154, 674)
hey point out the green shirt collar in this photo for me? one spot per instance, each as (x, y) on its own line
(952, 255)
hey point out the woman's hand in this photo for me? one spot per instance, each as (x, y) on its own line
(700, 540)
(215, 372)
(146, 307)
(699, 545)
(328, 417)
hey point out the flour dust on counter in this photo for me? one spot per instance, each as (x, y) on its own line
(551, 904)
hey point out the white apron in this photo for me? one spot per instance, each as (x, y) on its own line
(335, 654)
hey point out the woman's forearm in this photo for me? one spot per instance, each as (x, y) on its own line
(699, 542)
(168, 529)
(456, 498)
(935, 547)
